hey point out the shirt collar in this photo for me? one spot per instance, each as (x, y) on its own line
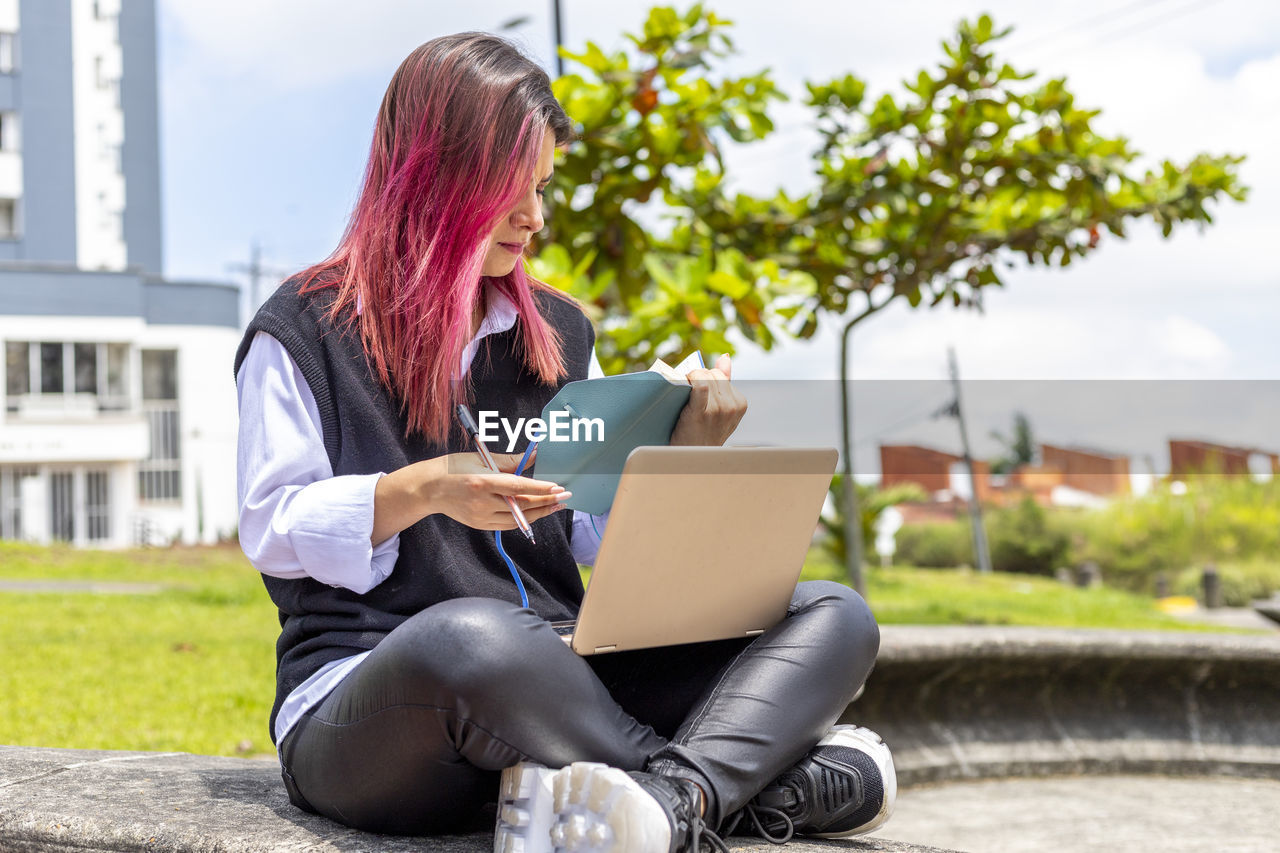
(500, 312)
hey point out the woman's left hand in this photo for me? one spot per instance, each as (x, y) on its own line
(714, 408)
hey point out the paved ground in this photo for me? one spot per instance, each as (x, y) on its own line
(1097, 813)
(1231, 617)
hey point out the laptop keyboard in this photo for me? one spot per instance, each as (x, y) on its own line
(564, 629)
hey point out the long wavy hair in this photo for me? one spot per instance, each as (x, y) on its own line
(455, 146)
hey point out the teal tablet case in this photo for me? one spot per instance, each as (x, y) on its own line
(637, 409)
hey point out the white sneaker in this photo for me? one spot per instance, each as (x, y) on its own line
(594, 808)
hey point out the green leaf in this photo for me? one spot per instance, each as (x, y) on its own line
(729, 285)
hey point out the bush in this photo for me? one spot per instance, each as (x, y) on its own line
(1242, 583)
(941, 545)
(1024, 539)
(1219, 520)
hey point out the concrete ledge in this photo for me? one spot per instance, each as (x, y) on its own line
(952, 703)
(79, 800)
(964, 703)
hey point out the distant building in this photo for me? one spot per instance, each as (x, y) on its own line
(1065, 477)
(939, 473)
(1093, 471)
(1189, 456)
(119, 414)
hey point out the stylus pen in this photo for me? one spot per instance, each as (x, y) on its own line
(469, 424)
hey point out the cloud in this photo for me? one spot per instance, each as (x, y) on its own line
(267, 105)
(1189, 343)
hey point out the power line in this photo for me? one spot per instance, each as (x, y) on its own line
(1110, 14)
(1176, 13)
(1147, 23)
(910, 420)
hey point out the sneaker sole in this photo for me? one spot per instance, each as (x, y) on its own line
(582, 808)
(872, 744)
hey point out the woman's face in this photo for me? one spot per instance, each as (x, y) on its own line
(507, 242)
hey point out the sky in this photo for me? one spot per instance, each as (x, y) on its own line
(267, 107)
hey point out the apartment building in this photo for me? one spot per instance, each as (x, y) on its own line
(118, 419)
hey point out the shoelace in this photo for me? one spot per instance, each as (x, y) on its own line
(698, 833)
(760, 815)
(696, 828)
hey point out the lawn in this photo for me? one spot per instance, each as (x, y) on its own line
(191, 667)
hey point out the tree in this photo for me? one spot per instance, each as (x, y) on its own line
(646, 125)
(1019, 446)
(926, 197)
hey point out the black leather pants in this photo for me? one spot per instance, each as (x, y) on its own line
(413, 740)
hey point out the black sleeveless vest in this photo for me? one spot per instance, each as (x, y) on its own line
(364, 433)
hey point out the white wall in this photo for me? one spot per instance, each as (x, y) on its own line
(9, 15)
(99, 126)
(207, 405)
(207, 402)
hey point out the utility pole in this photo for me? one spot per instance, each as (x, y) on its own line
(555, 23)
(256, 272)
(980, 550)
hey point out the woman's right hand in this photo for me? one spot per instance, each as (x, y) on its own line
(468, 492)
(460, 486)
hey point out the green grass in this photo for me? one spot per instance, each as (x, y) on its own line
(192, 667)
(910, 596)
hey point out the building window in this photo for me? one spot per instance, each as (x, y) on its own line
(86, 370)
(113, 392)
(160, 474)
(97, 505)
(8, 219)
(84, 376)
(51, 369)
(9, 131)
(8, 55)
(17, 372)
(11, 500)
(62, 506)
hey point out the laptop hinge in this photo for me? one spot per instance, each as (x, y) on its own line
(755, 633)
(612, 648)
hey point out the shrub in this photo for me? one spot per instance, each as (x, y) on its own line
(941, 545)
(1024, 539)
(1242, 583)
(1219, 519)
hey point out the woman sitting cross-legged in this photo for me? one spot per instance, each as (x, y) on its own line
(409, 677)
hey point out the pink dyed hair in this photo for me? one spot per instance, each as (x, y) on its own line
(455, 145)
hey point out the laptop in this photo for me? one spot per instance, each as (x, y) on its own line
(703, 543)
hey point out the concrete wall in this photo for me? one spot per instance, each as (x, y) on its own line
(139, 98)
(49, 290)
(48, 208)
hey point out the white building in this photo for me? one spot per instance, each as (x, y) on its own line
(119, 416)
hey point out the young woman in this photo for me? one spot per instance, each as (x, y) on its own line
(409, 678)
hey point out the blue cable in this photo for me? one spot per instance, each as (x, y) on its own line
(497, 534)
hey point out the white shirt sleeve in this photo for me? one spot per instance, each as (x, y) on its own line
(584, 542)
(296, 518)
